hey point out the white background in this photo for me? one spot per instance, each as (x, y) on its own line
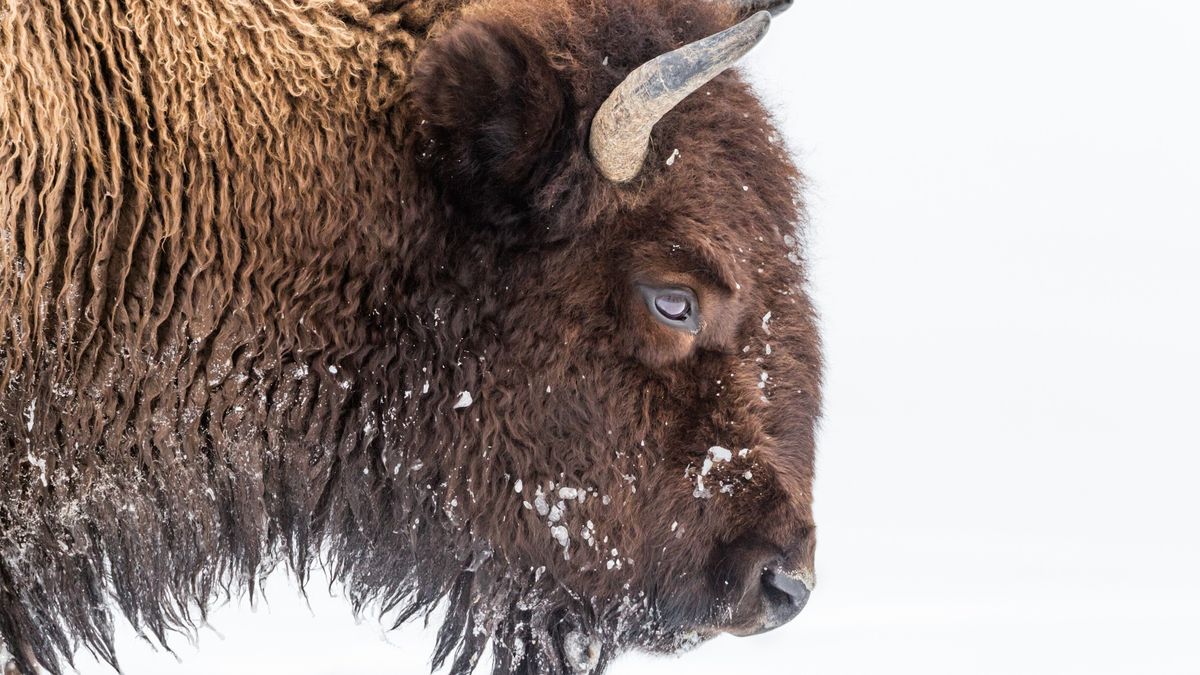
(1005, 250)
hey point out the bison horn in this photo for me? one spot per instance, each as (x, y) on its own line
(620, 136)
(775, 7)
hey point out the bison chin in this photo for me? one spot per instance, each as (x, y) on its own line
(536, 625)
(748, 588)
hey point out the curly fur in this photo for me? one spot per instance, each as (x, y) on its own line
(251, 254)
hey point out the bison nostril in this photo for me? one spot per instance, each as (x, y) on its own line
(774, 593)
(785, 594)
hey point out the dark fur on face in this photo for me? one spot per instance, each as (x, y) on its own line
(343, 285)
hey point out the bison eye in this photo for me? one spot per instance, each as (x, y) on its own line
(675, 307)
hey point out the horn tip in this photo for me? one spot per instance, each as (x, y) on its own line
(778, 8)
(761, 18)
(775, 7)
(756, 26)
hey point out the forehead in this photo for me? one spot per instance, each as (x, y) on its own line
(717, 170)
(711, 218)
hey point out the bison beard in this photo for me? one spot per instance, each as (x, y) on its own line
(252, 256)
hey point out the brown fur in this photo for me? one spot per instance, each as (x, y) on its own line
(251, 252)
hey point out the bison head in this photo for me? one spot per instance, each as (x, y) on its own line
(632, 405)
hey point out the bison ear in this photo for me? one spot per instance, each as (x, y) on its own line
(489, 112)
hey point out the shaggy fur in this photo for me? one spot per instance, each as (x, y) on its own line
(252, 253)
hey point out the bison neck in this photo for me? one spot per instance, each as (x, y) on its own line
(219, 346)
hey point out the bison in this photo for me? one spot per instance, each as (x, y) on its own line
(493, 304)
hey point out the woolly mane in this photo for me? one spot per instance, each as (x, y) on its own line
(269, 296)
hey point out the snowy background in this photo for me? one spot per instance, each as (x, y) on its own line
(1006, 252)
